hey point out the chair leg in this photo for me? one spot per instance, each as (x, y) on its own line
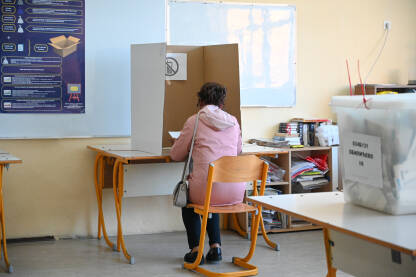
(195, 264)
(254, 229)
(273, 245)
(249, 270)
(237, 227)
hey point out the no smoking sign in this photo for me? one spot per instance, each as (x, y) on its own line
(175, 68)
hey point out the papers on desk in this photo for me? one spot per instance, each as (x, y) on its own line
(269, 143)
(174, 134)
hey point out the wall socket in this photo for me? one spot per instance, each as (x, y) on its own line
(387, 25)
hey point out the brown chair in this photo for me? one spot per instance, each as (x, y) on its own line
(247, 168)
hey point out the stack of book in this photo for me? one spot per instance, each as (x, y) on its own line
(289, 132)
(313, 182)
(307, 129)
(272, 220)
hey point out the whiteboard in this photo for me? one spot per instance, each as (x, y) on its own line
(266, 37)
(110, 28)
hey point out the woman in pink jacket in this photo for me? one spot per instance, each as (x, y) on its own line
(218, 134)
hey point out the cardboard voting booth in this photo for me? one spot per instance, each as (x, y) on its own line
(163, 95)
(161, 103)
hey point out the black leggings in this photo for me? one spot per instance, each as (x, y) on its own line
(192, 222)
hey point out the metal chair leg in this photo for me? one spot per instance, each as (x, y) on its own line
(237, 226)
(273, 245)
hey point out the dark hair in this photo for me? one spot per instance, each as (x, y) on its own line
(212, 94)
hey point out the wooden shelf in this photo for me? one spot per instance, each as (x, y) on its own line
(284, 160)
(374, 88)
(282, 183)
(277, 184)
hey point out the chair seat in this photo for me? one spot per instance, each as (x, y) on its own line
(236, 208)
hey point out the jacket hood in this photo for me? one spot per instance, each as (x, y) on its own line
(216, 118)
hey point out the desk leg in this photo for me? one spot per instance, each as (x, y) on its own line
(118, 176)
(332, 272)
(3, 224)
(99, 183)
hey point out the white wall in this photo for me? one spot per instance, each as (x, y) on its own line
(52, 192)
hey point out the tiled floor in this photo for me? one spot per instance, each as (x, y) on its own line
(301, 254)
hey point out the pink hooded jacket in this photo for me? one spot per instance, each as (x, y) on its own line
(218, 134)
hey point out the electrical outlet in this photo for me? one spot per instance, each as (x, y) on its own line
(387, 25)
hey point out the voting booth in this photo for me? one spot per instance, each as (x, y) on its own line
(165, 80)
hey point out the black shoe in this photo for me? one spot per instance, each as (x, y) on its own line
(214, 255)
(191, 257)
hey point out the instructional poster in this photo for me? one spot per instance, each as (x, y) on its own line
(42, 56)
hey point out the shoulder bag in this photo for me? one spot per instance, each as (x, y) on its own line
(180, 193)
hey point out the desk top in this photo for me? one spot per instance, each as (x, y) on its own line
(329, 210)
(6, 158)
(126, 152)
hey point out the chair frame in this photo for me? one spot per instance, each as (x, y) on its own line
(235, 165)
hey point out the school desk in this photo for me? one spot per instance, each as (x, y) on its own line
(357, 240)
(120, 155)
(5, 160)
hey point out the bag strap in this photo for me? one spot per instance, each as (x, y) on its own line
(192, 146)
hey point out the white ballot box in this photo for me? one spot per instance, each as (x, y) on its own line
(378, 151)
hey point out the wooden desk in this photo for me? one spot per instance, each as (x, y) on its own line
(120, 155)
(357, 240)
(5, 160)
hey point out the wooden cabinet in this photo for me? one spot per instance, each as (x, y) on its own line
(287, 223)
(375, 88)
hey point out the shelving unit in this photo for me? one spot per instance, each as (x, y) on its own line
(284, 160)
(374, 88)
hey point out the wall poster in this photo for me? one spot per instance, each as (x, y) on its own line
(42, 56)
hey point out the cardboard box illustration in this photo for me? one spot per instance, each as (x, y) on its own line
(64, 46)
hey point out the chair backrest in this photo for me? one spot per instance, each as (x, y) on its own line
(245, 168)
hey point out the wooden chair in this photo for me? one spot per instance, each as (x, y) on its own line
(247, 168)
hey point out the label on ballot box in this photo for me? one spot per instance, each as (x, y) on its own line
(362, 156)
